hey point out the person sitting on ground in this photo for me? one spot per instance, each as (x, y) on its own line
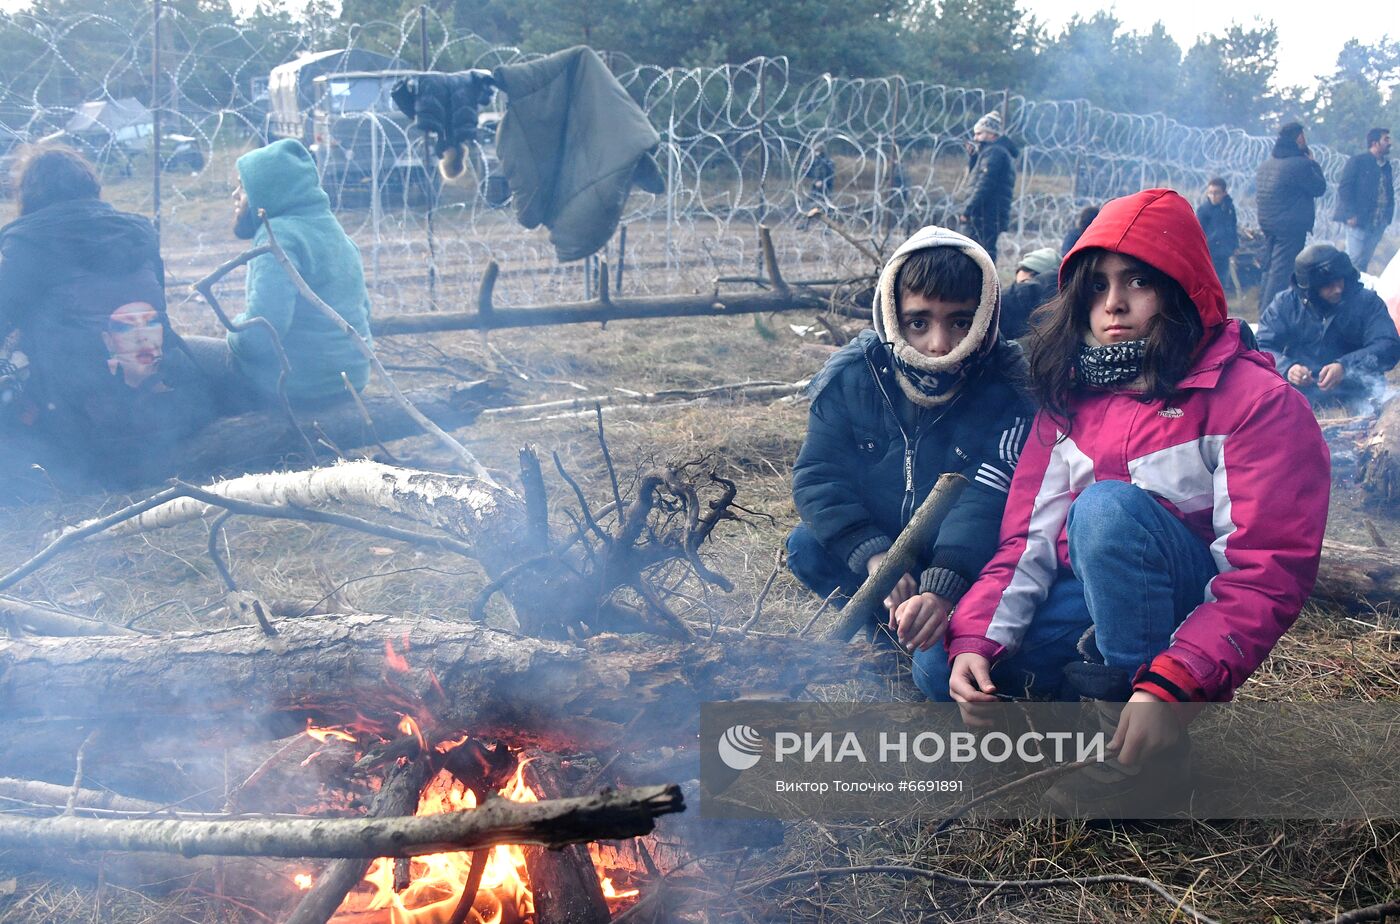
(1085, 218)
(1034, 286)
(280, 182)
(96, 379)
(928, 391)
(1217, 217)
(1146, 507)
(1332, 337)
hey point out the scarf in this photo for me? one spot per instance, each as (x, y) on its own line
(935, 387)
(1106, 366)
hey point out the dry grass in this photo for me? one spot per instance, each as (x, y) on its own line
(1232, 871)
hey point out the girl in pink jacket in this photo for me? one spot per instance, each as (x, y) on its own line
(1172, 494)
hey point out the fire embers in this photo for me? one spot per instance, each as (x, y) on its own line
(488, 886)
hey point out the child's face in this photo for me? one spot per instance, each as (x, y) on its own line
(1215, 194)
(1123, 301)
(934, 326)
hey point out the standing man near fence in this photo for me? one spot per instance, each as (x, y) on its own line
(1287, 185)
(991, 166)
(1366, 198)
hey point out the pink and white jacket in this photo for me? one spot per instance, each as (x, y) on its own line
(1236, 455)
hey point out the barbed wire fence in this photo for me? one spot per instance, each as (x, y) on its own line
(738, 142)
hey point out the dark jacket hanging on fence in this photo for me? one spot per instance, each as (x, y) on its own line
(992, 183)
(1287, 185)
(571, 145)
(448, 105)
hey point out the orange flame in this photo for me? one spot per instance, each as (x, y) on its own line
(303, 881)
(325, 734)
(392, 659)
(438, 879)
(409, 727)
(611, 893)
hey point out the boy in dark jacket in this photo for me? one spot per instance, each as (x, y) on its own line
(1222, 228)
(1330, 336)
(928, 391)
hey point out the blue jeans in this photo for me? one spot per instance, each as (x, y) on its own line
(1361, 245)
(1137, 573)
(814, 566)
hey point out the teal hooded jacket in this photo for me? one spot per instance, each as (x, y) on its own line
(281, 179)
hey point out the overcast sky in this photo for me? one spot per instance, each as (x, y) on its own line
(1309, 33)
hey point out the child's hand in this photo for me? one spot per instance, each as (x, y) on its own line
(905, 588)
(921, 620)
(970, 685)
(1146, 726)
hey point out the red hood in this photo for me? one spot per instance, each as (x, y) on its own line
(1159, 227)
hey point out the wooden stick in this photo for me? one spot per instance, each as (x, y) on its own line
(902, 556)
(468, 460)
(551, 823)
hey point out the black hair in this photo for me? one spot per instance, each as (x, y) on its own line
(1286, 144)
(1058, 326)
(940, 272)
(1218, 181)
(1375, 135)
(1086, 217)
(46, 175)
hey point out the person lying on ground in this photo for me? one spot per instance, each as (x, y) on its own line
(928, 391)
(1146, 505)
(1034, 286)
(93, 370)
(280, 182)
(1332, 337)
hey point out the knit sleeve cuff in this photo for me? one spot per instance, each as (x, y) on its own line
(860, 555)
(1168, 679)
(944, 582)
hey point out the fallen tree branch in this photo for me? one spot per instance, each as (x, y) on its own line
(751, 391)
(47, 621)
(551, 823)
(950, 879)
(616, 309)
(558, 696)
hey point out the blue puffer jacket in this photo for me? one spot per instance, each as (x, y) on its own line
(871, 456)
(281, 179)
(1358, 333)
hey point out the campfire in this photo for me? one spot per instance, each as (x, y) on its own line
(490, 885)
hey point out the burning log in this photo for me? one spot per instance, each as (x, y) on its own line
(564, 882)
(560, 697)
(1380, 454)
(397, 798)
(553, 823)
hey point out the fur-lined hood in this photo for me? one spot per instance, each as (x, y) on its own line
(980, 340)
